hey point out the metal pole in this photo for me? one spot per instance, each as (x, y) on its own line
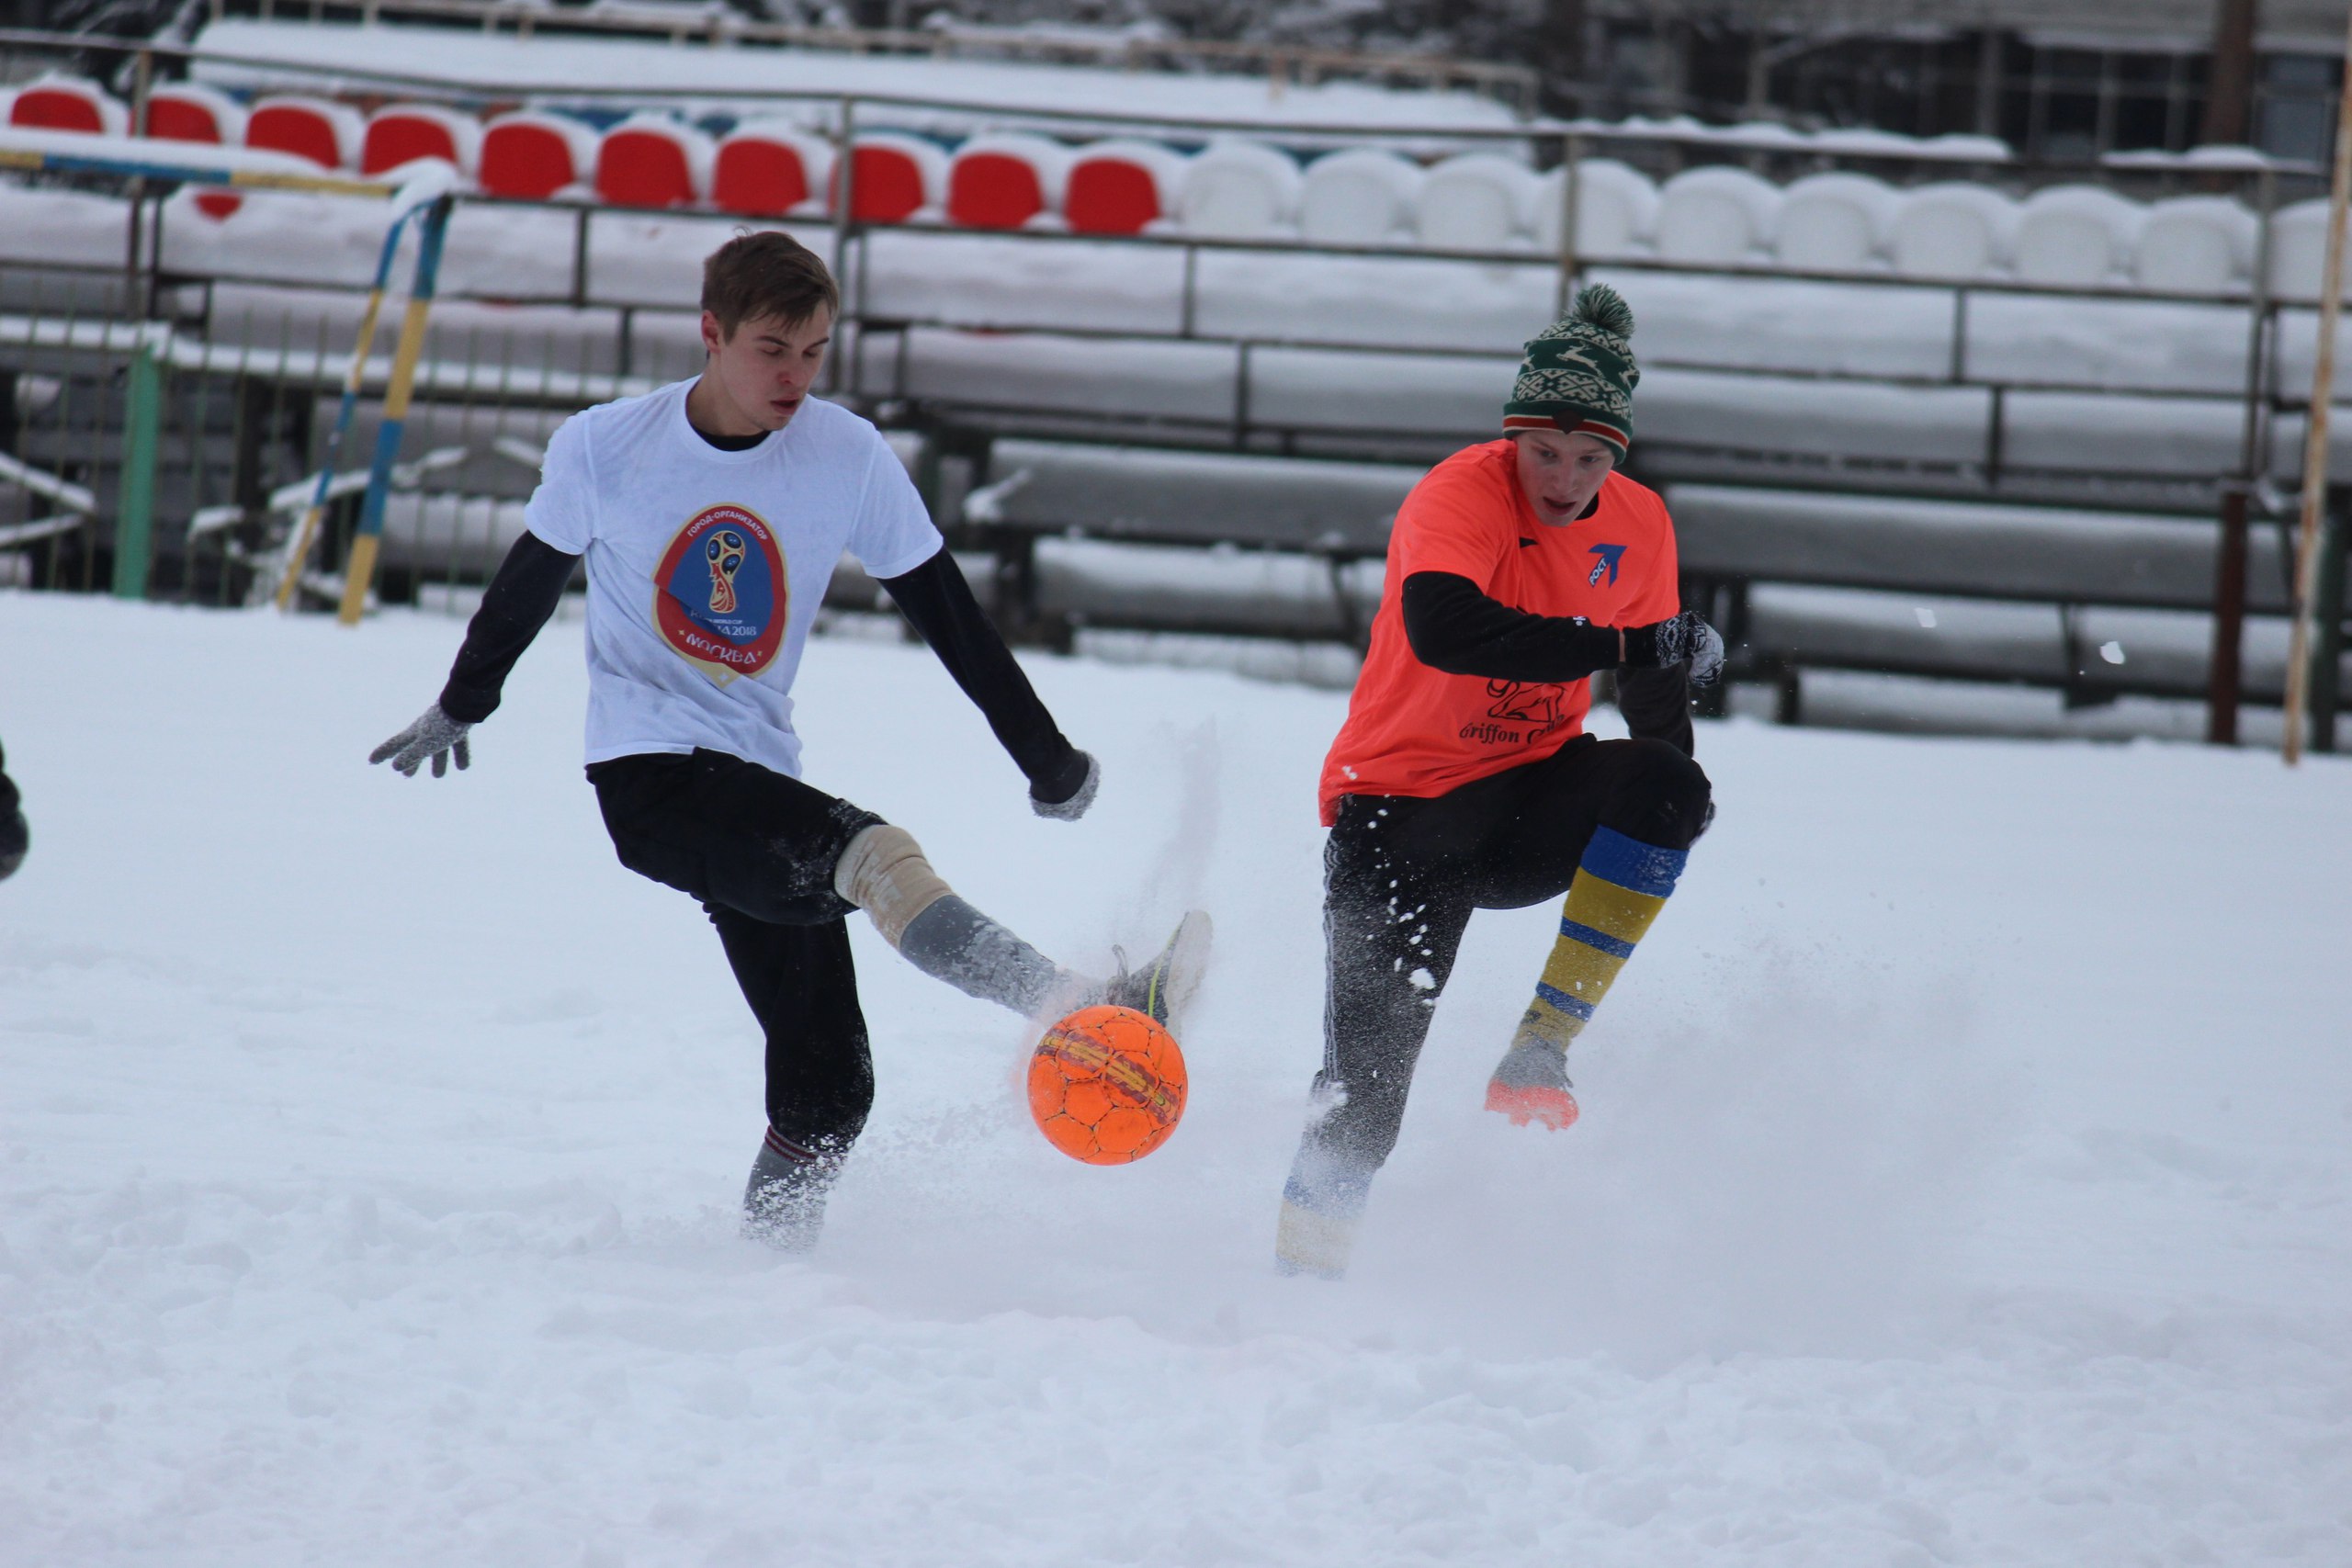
(2331, 309)
(141, 75)
(2327, 631)
(844, 199)
(299, 547)
(2224, 665)
(359, 570)
(1571, 153)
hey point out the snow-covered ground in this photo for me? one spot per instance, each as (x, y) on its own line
(1964, 1177)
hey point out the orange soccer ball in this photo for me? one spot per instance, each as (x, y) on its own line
(1106, 1085)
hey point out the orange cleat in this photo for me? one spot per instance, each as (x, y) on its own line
(1550, 1104)
(1531, 1084)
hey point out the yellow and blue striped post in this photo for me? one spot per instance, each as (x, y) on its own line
(359, 567)
(43, 160)
(307, 530)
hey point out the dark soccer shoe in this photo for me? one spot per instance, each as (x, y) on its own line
(1161, 988)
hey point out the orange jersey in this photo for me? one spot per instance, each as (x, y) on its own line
(1419, 732)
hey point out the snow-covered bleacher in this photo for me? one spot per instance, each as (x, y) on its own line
(1252, 189)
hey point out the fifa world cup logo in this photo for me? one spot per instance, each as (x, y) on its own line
(724, 550)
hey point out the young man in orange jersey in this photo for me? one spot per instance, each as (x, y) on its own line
(1464, 779)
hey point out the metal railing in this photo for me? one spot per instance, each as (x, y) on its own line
(227, 424)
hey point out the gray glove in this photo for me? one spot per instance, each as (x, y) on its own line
(1073, 805)
(1686, 638)
(434, 735)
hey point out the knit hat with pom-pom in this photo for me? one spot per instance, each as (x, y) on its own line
(1578, 376)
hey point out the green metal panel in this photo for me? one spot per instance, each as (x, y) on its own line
(134, 524)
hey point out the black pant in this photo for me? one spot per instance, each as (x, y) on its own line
(759, 850)
(1402, 874)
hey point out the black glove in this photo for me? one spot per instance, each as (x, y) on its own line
(434, 735)
(1067, 793)
(1686, 638)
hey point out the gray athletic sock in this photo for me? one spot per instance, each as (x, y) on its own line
(783, 1204)
(952, 941)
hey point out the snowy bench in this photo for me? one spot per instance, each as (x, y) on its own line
(2096, 604)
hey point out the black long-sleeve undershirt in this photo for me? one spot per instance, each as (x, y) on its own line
(938, 603)
(1455, 626)
(523, 596)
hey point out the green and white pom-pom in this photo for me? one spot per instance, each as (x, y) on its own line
(1604, 308)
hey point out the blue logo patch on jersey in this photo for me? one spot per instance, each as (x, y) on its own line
(721, 594)
(1609, 556)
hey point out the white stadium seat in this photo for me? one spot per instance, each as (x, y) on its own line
(1476, 201)
(1617, 208)
(1360, 197)
(2074, 236)
(1953, 231)
(1240, 190)
(1715, 216)
(1834, 222)
(2195, 244)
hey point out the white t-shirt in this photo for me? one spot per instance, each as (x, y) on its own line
(705, 568)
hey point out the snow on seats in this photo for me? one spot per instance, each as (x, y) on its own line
(68, 103)
(533, 155)
(1476, 201)
(1715, 215)
(405, 133)
(894, 179)
(1951, 231)
(2195, 244)
(1007, 181)
(189, 111)
(325, 133)
(766, 168)
(1363, 195)
(1834, 222)
(2299, 251)
(1617, 208)
(1240, 190)
(653, 160)
(1121, 187)
(2075, 235)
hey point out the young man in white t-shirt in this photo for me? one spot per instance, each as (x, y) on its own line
(710, 514)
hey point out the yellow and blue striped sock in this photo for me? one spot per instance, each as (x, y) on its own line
(1620, 886)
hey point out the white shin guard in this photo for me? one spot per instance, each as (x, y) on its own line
(884, 873)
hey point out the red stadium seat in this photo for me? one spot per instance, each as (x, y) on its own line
(533, 155)
(183, 111)
(1120, 187)
(406, 132)
(768, 169)
(894, 177)
(326, 135)
(67, 103)
(652, 161)
(1006, 181)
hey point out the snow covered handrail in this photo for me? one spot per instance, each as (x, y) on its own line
(65, 493)
(192, 162)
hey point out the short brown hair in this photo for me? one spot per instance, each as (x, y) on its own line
(766, 273)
